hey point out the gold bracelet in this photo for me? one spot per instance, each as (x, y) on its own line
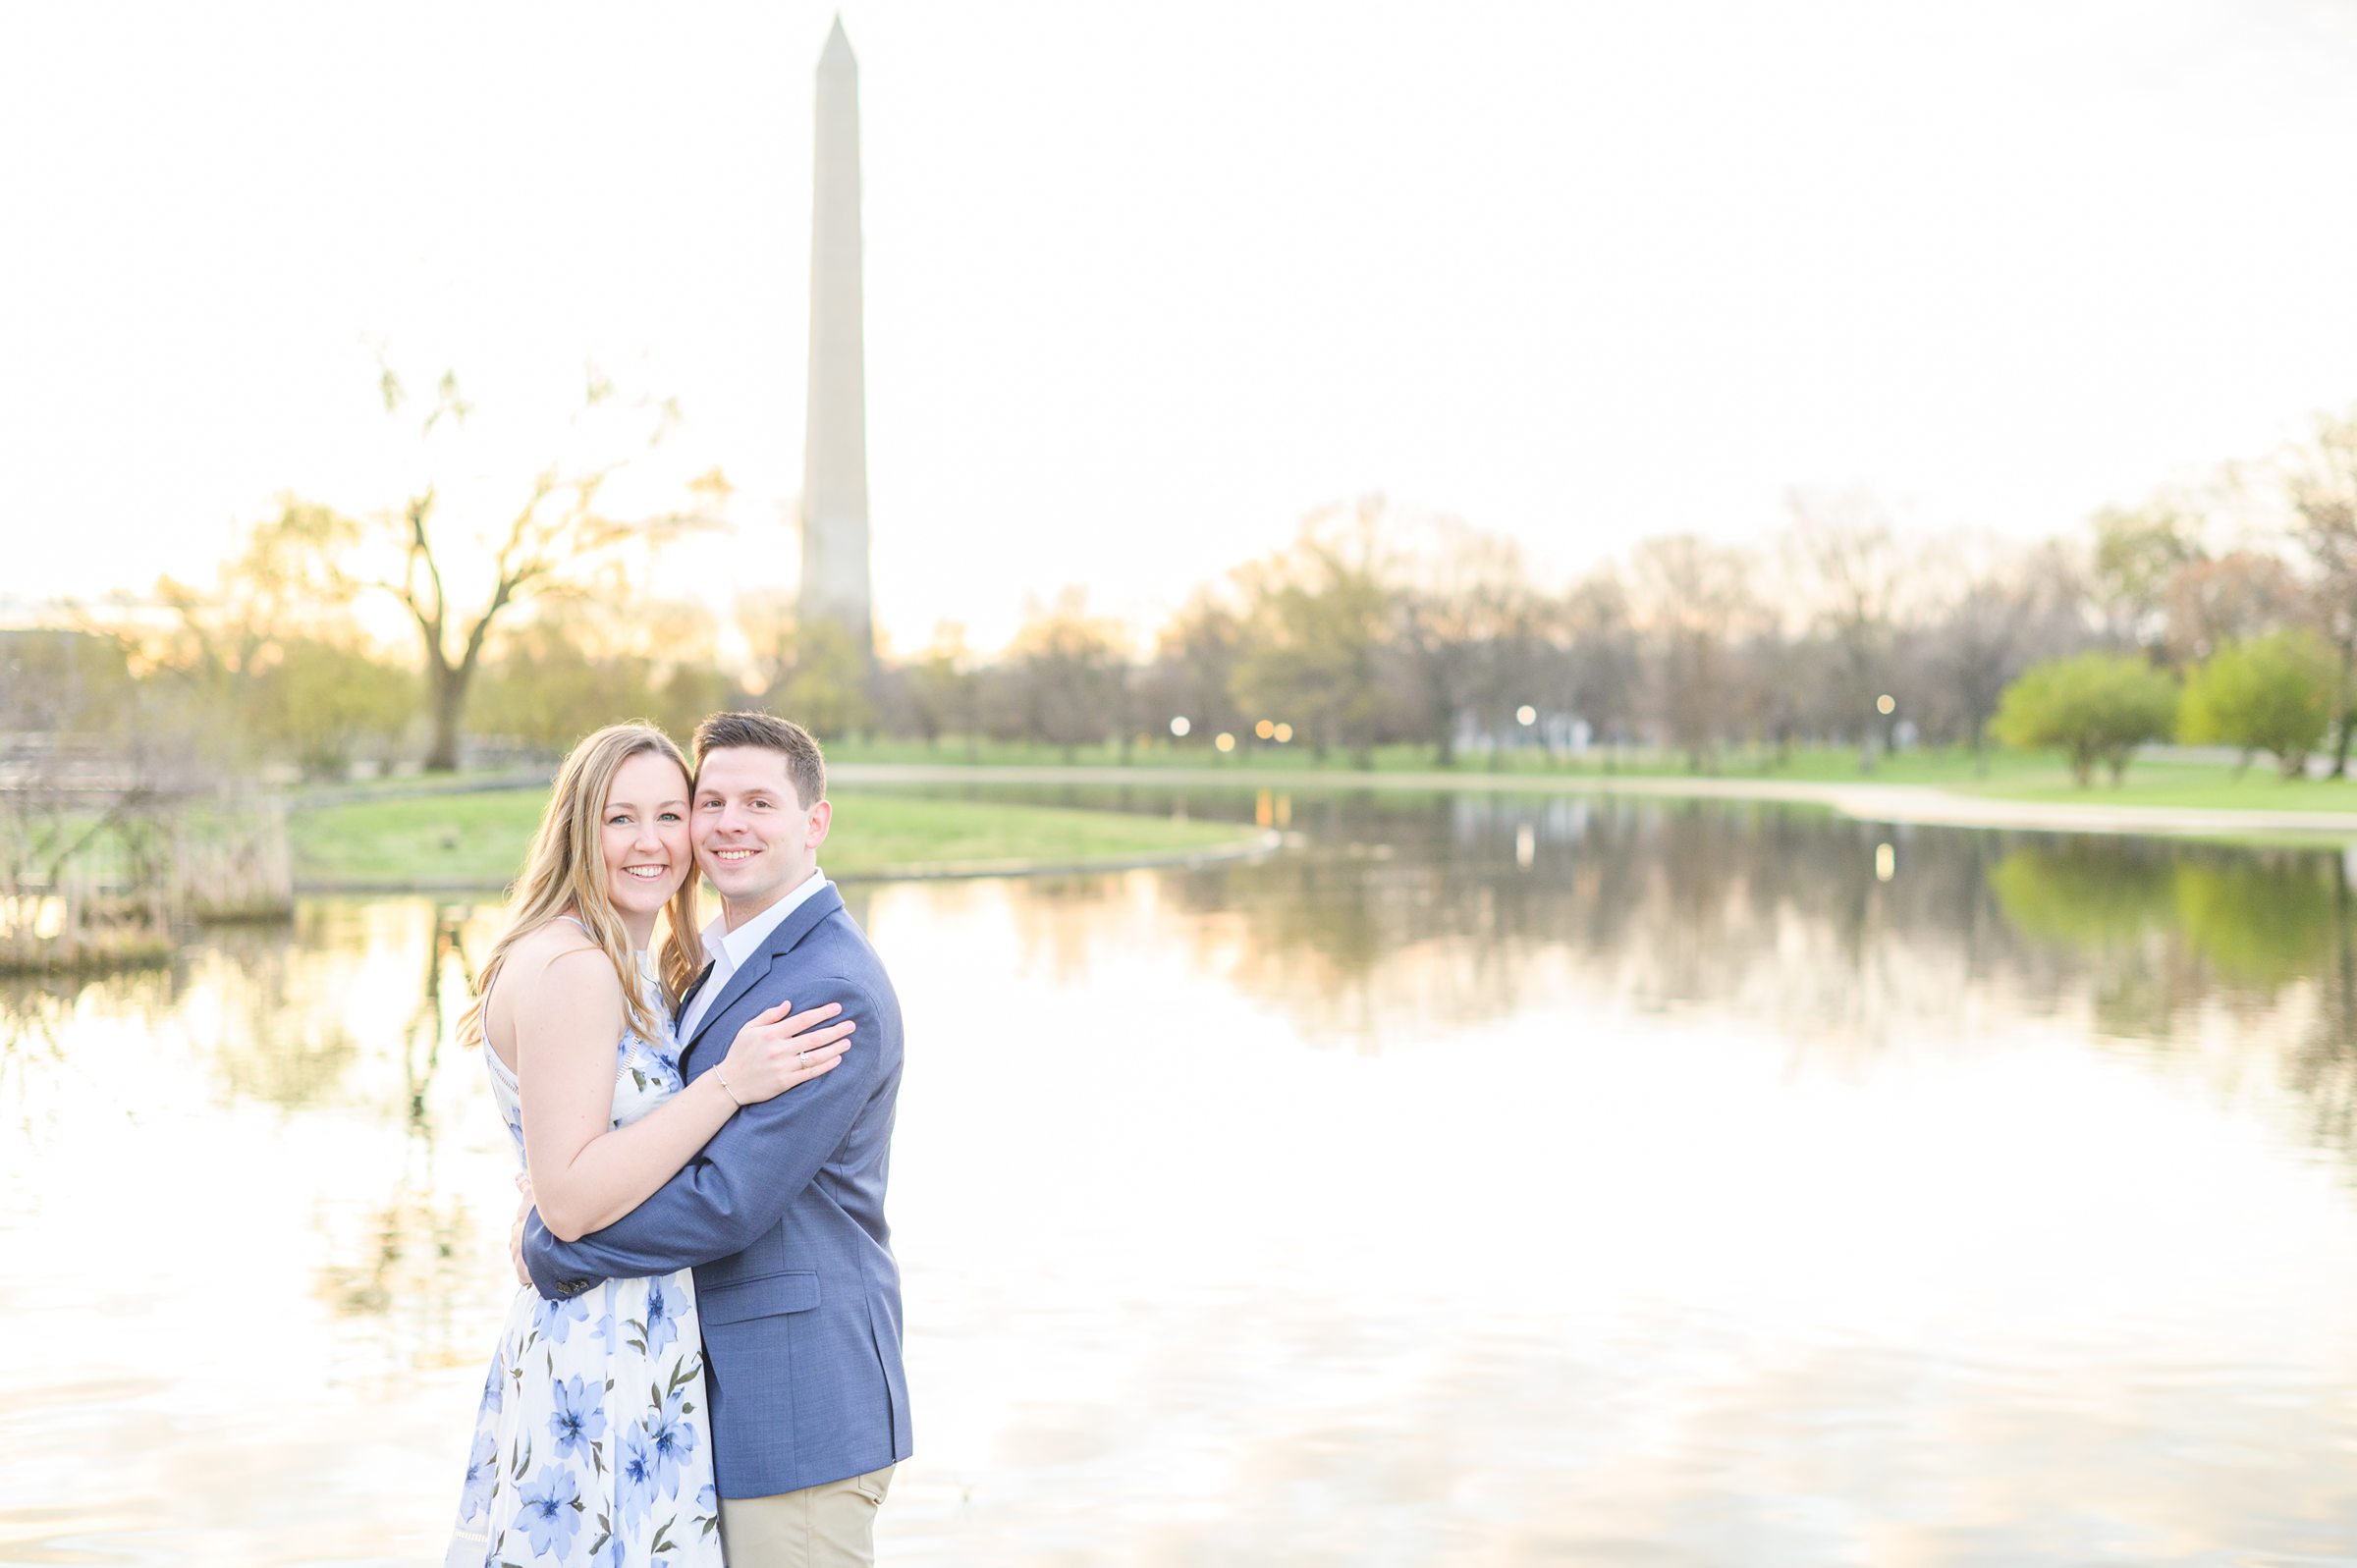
(726, 1090)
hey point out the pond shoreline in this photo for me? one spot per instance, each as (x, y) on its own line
(1927, 805)
(1259, 844)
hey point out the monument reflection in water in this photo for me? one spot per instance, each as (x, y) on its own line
(1487, 1180)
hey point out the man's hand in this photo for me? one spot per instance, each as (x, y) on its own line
(523, 1184)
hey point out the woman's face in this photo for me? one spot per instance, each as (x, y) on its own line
(646, 837)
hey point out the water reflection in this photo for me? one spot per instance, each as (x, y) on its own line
(1500, 1179)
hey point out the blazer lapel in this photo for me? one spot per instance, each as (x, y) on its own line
(687, 997)
(791, 931)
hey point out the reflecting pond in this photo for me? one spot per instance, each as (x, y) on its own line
(1481, 1180)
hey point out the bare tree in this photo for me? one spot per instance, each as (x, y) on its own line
(1603, 667)
(2229, 598)
(1852, 573)
(2006, 609)
(1193, 672)
(1463, 614)
(1692, 601)
(1069, 673)
(549, 546)
(943, 693)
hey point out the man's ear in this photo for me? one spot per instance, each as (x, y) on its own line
(822, 817)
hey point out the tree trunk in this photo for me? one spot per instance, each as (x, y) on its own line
(450, 704)
(2343, 706)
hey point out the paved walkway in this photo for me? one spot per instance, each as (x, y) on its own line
(1870, 802)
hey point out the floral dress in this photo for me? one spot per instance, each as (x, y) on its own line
(591, 1445)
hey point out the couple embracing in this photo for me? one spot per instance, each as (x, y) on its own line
(711, 1358)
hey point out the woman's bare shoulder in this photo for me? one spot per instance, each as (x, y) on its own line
(556, 949)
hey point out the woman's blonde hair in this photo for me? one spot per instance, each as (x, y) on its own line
(567, 870)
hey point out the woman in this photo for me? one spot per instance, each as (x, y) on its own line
(591, 1445)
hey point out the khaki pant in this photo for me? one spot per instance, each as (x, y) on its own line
(832, 1526)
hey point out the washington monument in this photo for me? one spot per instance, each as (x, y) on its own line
(835, 554)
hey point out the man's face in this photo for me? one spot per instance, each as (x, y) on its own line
(753, 838)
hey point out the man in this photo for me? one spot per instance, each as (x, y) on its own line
(781, 1216)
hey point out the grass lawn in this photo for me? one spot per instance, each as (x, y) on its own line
(2208, 785)
(478, 840)
(2012, 775)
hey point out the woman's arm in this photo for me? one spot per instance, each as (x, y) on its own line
(585, 1173)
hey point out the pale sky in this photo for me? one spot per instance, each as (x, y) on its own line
(1147, 283)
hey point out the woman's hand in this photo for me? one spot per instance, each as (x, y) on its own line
(782, 1048)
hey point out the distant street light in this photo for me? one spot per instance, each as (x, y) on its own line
(1180, 726)
(1884, 703)
(1526, 716)
(1283, 733)
(1226, 741)
(1265, 729)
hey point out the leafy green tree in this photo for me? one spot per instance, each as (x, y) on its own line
(276, 668)
(324, 704)
(2273, 693)
(825, 689)
(1317, 617)
(569, 667)
(2098, 707)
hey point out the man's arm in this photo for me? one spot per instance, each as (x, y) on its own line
(737, 1189)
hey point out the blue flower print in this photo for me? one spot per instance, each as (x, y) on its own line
(580, 1420)
(673, 1439)
(663, 1063)
(482, 1473)
(491, 1397)
(635, 1472)
(593, 1429)
(662, 1327)
(555, 1318)
(548, 1514)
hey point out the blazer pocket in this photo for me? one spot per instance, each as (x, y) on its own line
(766, 1297)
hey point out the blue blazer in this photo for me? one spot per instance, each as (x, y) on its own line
(781, 1217)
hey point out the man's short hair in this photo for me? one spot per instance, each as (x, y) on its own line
(805, 765)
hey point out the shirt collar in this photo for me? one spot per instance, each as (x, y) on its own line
(734, 948)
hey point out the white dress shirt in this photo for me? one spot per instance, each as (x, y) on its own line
(729, 949)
